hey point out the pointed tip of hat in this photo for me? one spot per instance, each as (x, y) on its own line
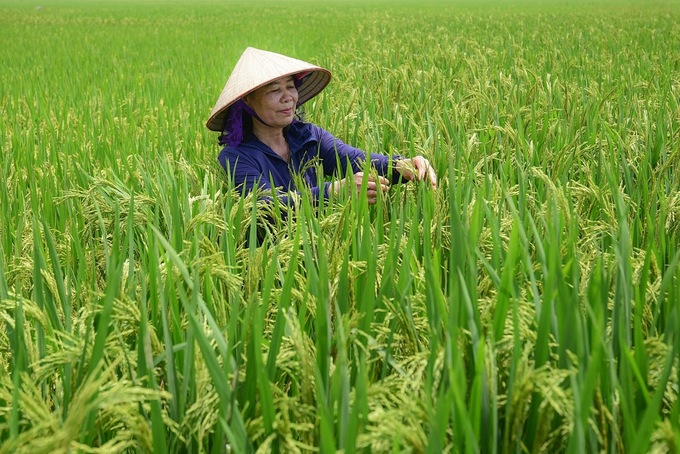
(256, 68)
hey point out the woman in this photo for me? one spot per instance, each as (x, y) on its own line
(267, 147)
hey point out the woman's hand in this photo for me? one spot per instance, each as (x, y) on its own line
(374, 185)
(418, 168)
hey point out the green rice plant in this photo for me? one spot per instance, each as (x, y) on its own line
(527, 305)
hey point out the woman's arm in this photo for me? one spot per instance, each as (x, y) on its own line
(333, 151)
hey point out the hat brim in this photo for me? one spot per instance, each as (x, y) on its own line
(257, 68)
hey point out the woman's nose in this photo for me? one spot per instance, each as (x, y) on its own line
(290, 94)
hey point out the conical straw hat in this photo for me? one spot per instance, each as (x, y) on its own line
(257, 68)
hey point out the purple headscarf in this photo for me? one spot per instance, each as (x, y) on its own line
(233, 125)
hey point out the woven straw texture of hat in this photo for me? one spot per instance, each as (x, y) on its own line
(256, 68)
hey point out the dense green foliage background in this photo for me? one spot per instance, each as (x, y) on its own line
(529, 304)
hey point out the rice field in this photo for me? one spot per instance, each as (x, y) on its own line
(529, 304)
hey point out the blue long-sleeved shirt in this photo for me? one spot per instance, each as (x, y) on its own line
(252, 164)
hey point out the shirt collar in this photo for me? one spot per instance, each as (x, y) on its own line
(298, 135)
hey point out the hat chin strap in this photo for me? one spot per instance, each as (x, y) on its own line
(249, 110)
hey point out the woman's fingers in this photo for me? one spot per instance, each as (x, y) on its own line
(432, 176)
(374, 184)
(421, 165)
(428, 173)
(424, 170)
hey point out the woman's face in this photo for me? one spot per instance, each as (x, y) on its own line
(275, 102)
